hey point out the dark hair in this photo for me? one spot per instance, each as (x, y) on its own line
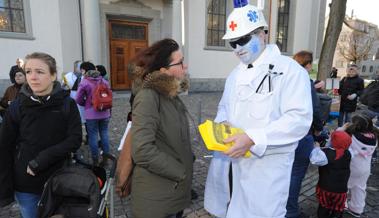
(102, 70)
(156, 56)
(46, 58)
(86, 66)
(361, 123)
(19, 70)
(303, 58)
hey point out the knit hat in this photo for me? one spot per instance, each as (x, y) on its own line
(340, 142)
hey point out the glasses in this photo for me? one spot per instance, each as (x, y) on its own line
(241, 41)
(179, 63)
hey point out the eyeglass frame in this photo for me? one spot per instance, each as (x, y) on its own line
(181, 62)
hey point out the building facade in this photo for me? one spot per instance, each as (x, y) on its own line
(110, 32)
(358, 43)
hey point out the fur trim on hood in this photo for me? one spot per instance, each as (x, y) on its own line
(161, 82)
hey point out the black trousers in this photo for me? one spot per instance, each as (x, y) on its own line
(323, 212)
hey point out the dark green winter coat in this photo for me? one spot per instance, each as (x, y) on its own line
(161, 150)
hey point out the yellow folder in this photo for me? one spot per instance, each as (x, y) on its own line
(213, 135)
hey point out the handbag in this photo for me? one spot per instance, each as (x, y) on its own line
(124, 168)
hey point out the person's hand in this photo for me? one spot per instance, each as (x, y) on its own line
(29, 171)
(242, 144)
(316, 145)
(352, 96)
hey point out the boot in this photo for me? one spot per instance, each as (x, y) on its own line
(95, 161)
(104, 160)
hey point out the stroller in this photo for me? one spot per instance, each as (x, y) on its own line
(79, 191)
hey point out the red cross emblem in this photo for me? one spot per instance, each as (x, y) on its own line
(232, 25)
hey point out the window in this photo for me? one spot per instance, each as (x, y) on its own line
(216, 13)
(371, 69)
(283, 20)
(364, 68)
(14, 19)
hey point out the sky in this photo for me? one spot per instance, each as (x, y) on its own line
(364, 10)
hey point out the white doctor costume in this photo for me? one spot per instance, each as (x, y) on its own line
(275, 111)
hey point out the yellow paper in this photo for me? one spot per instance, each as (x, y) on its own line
(213, 135)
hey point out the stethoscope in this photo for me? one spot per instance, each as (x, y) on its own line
(270, 75)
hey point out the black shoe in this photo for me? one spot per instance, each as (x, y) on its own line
(354, 214)
(194, 195)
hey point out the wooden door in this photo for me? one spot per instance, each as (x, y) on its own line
(126, 39)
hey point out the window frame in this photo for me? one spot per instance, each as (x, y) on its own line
(363, 68)
(226, 47)
(28, 34)
(280, 17)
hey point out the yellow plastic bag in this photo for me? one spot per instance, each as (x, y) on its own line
(213, 135)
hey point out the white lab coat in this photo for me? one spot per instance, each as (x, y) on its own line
(275, 119)
(69, 80)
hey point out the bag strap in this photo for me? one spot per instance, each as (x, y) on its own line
(14, 111)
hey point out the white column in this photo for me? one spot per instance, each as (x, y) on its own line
(177, 21)
(91, 31)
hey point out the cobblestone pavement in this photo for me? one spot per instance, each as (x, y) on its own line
(203, 106)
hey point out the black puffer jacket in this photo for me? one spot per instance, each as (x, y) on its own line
(348, 86)
(45, 134)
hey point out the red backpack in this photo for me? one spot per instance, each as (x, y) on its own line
(102, 97)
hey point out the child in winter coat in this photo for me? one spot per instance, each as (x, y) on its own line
(364, 143)
(334, 172)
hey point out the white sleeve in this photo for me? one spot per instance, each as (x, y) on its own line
(295, 105)
(318, 157)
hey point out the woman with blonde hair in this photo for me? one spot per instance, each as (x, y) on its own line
(38, 132)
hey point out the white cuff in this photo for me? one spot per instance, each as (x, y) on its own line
(260, 141)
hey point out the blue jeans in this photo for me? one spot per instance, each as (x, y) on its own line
(344, 117)
(94, 128)
(299, 168)
(28, 204)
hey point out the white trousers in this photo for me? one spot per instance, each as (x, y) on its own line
(359, 172)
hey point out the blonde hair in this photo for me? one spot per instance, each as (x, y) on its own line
(46, 58)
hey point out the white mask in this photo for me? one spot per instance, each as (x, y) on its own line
(249, 52)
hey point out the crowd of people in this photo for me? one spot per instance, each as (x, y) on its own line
(285, 130)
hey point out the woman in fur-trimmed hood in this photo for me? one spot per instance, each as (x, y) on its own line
(161, 149)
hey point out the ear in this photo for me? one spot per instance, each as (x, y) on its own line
(54, 77)
(262, 35)
(163, 70)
